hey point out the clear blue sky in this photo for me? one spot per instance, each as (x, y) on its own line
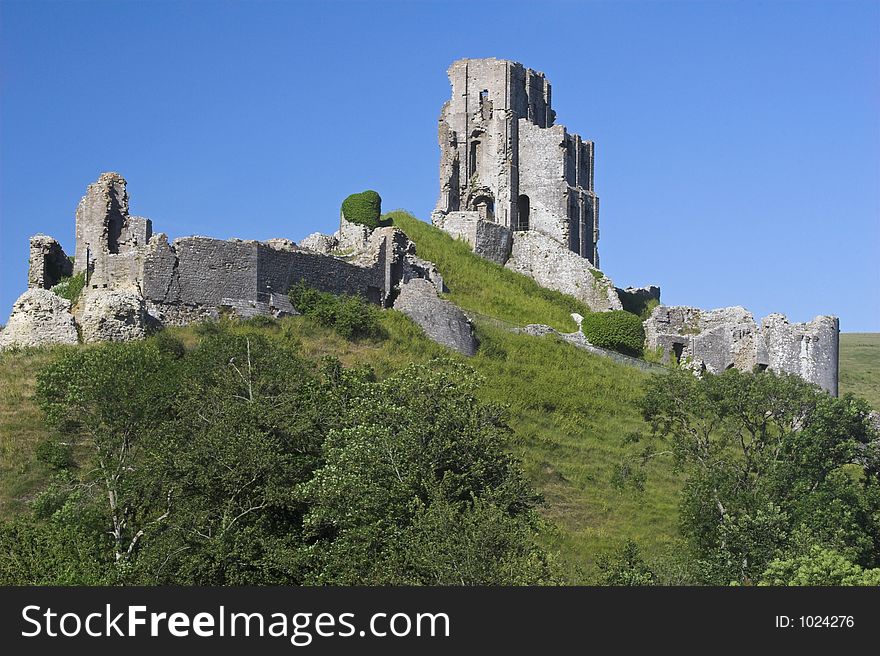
(737, 143)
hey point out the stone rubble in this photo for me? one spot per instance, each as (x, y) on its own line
(112, 316)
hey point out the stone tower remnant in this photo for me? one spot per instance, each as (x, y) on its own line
(505, 161)
(517, 186)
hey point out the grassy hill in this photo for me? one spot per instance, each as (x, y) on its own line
(569, 410)
(860, 366)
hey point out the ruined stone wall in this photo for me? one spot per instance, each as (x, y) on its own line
(110, 243)
(810, 350)
(540, 258)
(715, 340)
(279, 270)
(160, 283)
(487, 239)
(209, 270)
(48, 263)
(542, 179)
(479, 134)
(478, 139)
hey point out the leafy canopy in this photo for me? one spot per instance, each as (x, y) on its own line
(773, 467)
(238, 461)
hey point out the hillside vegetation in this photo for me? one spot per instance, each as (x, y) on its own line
(571, 413)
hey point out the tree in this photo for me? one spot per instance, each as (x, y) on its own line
(250, 422)
(109, 402)
(419, 488)
(818, 567)
(772, 464)
(239, 462)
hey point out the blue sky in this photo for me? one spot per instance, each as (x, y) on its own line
(737, 143)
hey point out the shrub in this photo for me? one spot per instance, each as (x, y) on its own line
(57, 455)
(364, 208)
(167, 343)
(617, 330)
(625, 567)
(71, 287)
(353, 317)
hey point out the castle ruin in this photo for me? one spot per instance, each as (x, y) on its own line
(517, 187)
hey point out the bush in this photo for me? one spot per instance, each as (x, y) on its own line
(168, 344)
(617, 330)
(353, 317)
(57, 455)
(625, 567)
(364, 208)
(71, 287)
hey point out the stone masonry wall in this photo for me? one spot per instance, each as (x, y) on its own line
(502, 156)
(715, 340)
(542, 178)
(810, 350)
(541, 258)
(48, 263)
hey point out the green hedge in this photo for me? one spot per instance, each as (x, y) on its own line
(364, 208)
(618, 330)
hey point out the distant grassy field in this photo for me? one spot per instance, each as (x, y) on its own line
(860, 366)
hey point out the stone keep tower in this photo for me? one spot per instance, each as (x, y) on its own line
(503, 159)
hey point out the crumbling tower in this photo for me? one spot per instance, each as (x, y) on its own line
(109, 242)
(503, 159)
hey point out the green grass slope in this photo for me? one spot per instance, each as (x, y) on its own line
(485, 288)
(860, 366)
(21, 428)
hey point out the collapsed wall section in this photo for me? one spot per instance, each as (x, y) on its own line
(725, 338)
